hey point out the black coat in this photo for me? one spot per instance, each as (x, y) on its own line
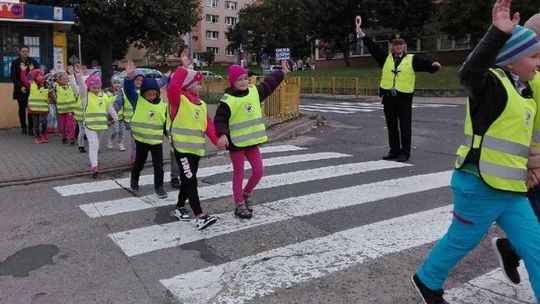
(16, 77)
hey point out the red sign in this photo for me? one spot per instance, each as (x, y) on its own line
(11, 10)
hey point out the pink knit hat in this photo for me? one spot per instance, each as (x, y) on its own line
(92, 80)
(188, 77)
(234, 72)
(35, 73)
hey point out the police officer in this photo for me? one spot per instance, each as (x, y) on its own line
(397, 89)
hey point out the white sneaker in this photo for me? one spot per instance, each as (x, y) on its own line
(205, 221)
(121, 147)
(110, 143)
(181, 214)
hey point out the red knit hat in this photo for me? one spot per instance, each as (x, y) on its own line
(35, 73)
(234, 72)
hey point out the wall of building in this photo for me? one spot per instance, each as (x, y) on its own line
(9, 115)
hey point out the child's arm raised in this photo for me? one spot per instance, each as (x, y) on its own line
(129, 84)
(272, 81)
(24, 78)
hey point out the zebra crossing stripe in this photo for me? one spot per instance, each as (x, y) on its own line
(358, 106)
(91, 187)
(324, 110)
(493, 287)
(147, 239)
(262, 274)
(340, 108)
(269, 162)
(107, 208)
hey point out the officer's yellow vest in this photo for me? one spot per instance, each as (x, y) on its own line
(504, 148)
(246, 125)
(535, 87)
(189, 127)
(95, 113)
(65, 99)
(404, 76)
(37, 100)
(78, 112)
(148, 121)
(127, 108)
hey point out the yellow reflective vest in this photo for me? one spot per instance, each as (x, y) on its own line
(504, 148)
(126, 112)
(65, 99)
(95, 113)
(37, 100)
(402, 78)
(78, 111)
(148, 121)
(246, 125)
(188, 128)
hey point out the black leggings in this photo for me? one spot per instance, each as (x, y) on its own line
(141, 155)
(189, 165)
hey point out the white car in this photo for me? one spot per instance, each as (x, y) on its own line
(271, 68)
(211, 75)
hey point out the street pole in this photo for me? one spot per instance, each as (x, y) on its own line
(80, 52)
(191, 51)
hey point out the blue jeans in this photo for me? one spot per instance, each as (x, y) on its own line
(476, 207)
(534, 198)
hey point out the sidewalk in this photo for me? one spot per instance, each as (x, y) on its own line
(416, 99)
(23, 162)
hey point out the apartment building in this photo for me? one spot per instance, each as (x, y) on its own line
(209, 35)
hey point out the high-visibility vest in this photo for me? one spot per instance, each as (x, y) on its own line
(535, 87)
(504, 148)
(402, 78)
(37, 100)
(246, 125)
(95, 113)
(189, 127)
(148, 121)
(65, 99)
(127, 108)
(78, 112)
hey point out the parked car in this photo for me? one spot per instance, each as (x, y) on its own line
(211, 75)
(271, 68)
(151, 73)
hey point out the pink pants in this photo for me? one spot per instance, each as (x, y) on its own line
(67, 126)
(253, 156)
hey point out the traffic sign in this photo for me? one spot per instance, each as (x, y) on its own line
(283, 54)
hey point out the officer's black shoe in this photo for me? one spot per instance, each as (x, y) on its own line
(429, 296)
(390, 156)
(507, 257)
(402, 158)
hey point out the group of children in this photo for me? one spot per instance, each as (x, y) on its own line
(135, 104)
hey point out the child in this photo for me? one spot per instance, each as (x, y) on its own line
(52, 117)
(491, 168)
(239, 114)
(147, 126)
(119, 128)
(38, 102)
(188, 123)
(78, 113)
(64, 95)
(96, 106)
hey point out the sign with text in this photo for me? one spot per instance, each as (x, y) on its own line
(283, 54)
(11, 10)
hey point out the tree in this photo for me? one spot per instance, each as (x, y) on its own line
(139, 22)
(158, 52)
(459, 18)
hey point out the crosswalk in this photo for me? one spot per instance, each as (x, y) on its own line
(265, 272)
(355, 107)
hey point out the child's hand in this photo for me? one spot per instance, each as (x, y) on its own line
(285, 67)
(31, 66)
(78, 69)
(501, 16)
(23, 66)
(184, 58)
(130, 68)
(70, 70)
(222, 142)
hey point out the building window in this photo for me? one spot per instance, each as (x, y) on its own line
(231, 20)
(212, 35)
(230, 53)
(211, 3)
(213, 50)
(231, 5)
(212, 18)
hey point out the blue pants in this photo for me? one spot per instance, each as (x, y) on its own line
(476, 207)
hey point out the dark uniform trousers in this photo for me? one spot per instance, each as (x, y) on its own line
(398, 114)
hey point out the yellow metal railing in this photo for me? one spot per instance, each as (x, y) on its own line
(340, 86)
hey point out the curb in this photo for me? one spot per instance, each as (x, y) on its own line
(305, 124)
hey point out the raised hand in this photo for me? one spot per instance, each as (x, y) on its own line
(285, 67)
(184, 58)
(23, 66)
(31, 66)
(77, 69)
(130, 68)
(435, 64)
(501, 16)
(70, 70)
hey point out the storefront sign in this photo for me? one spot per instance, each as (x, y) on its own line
(11, 10)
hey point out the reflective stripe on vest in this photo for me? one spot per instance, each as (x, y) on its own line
(535, 87)
(37, 100)
(65, 99)
(78, 112)
(402, 78)
(245, 124)
(127, 108)
(147, 121)
(95, 113)
(189, 127)
(504, 148)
